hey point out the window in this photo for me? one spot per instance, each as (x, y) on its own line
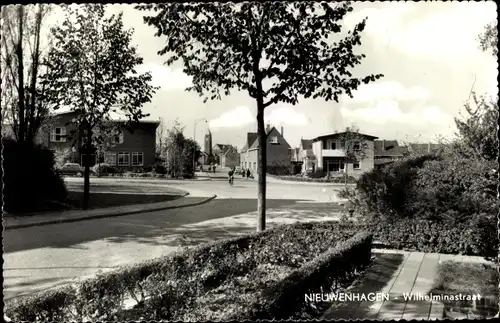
(274, 140)
(355, 165)
(119, 138)
(123, 159)
(333, 145)
(137, 159)
(58, 134)
(110, 158)
(356, 145)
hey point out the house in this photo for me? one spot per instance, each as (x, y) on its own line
(230, 158)
(218, 150)
(330, 157)
(386, 152)
(130, 148)
(307, 156)
(426, 148)
(278, 151)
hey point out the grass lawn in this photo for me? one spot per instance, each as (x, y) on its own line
(468, 279)
(103, 200)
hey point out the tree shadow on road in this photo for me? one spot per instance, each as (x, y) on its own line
(218, 219)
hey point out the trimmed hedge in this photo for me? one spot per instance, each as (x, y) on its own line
(339, 179)
(167, 287)
(332, 269)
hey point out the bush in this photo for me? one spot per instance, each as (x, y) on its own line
(332, 269)
(169, 287)
(453, 184)
(29, 178)
(159, 168)
(477, 237)
(317, 174)
(386, 191)
(102, 169)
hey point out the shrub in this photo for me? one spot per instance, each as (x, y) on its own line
(476, 237)
(331, 269)
(168, 287)
(159, 168)
(29, 177)
(386, 191)
(317, 174)
(104, 169)
(453, 184)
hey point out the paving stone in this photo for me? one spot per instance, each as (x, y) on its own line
(417, 310)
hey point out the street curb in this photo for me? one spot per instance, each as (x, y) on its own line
(20, 226)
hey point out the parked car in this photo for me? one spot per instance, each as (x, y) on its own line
(238, 170)
(71, 169)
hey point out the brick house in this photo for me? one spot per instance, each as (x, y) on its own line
(127, 150)
(278, 151)
(330, 157)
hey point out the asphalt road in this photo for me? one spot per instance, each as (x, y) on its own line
(39, 257)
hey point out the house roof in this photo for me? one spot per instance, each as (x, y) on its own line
(231, 149)
(387, 148)
(255, 144)
(251, 138)
(306, 143)
(333, 135)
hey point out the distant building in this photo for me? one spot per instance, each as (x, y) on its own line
(386, 152)
(278, 151)
(230, 158)
(136, 148)
(208, 156)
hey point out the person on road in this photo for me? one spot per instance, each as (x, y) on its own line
(213, 168)
(248, 173)
(231, 176)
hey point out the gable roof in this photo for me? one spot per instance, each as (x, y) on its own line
(255, 144)
(230, 150)
(306, 144)
(251, 138)
(338, 134)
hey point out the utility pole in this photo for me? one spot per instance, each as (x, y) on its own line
(196, 121)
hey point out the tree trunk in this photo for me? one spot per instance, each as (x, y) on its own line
(262, 169)
(20, 74)
(86, 171)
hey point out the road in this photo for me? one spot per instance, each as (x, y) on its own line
(39, 257)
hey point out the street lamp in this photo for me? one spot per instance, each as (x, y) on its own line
(196, 121)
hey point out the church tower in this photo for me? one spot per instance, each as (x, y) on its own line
(208, 143)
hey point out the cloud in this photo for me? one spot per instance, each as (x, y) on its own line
(449, 34)
(166, 77)
(389, 113)
(286, 116)
(236, 117)
(388, 91)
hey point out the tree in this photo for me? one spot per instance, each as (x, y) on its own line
(160, 137)
(354, 145)
(274, 51)
(22, 51)
(94, 74)
(488, 40)
(179, 150)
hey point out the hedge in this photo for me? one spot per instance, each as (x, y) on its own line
(340, 179)
(167, 287)
(332, 269)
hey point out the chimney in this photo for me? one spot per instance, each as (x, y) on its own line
(268, 128)
(282, 131)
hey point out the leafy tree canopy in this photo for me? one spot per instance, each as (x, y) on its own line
(289, 46)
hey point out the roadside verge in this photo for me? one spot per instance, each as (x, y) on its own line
(11, 222)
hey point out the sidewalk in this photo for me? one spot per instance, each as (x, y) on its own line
(395, 273)
(13, 222)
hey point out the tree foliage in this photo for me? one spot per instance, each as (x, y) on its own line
(488, 40)
(274, 51)
(93, 64)
(178, 151)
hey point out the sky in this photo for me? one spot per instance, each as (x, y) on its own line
(427, 51)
